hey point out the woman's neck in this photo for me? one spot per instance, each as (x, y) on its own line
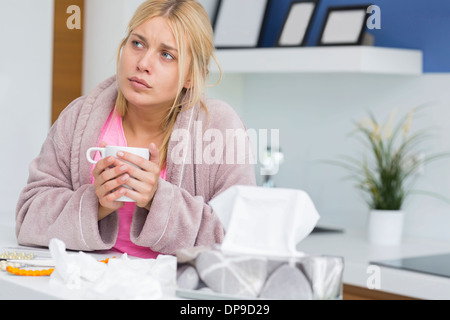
(142, 127)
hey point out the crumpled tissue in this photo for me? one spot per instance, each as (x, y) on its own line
(121, 278)
(264, 221)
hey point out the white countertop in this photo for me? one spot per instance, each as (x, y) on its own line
(352, 245)
(357, 253)
(30, 288)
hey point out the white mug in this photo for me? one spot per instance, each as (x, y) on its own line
(112, 151)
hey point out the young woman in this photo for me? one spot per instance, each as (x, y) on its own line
(156, 101)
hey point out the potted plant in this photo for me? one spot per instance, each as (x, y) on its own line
(385, 177)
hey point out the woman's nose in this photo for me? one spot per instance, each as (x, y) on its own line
(145, 63)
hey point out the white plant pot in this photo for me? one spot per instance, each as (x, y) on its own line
(385, 227)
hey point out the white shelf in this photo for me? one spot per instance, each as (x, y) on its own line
(341, 59)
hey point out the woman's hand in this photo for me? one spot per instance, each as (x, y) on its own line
(109, 175)
(143, 179)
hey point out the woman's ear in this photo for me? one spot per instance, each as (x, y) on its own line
(188, 84)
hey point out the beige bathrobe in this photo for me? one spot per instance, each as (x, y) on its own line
(59, 200)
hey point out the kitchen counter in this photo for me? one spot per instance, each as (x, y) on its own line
(359, 272)
(350, 244)
(14, 287)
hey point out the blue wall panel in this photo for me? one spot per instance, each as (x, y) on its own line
(411, 24)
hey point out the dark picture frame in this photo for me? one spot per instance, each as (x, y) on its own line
(297, 23)
(239, 23)
(344, 26)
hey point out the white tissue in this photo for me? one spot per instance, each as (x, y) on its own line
(264, 221)
(73, 269)
(121, 278)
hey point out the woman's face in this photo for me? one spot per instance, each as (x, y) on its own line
(148, 68)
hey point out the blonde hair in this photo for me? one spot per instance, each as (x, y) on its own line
(192, 30)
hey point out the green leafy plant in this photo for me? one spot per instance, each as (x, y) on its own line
(385, 176)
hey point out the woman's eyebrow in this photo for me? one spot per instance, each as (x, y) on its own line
(168, 48)
(142, 38)
(163, 45)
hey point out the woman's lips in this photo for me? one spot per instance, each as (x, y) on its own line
(139, 83)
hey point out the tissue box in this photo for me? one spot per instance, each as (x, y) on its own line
(264, 221)
(210, 274)
(258, 258)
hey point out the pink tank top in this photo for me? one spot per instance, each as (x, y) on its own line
(112, 133)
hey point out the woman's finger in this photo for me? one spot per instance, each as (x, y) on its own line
(138, 161)
(144, 186)
(112, 185)
(144, 164)
(154, 154)
(102, 165)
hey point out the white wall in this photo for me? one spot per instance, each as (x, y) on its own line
(105, 26)
(26, 35)
(315, 114)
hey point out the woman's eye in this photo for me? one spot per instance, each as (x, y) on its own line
(136, 44)
(167, 56)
